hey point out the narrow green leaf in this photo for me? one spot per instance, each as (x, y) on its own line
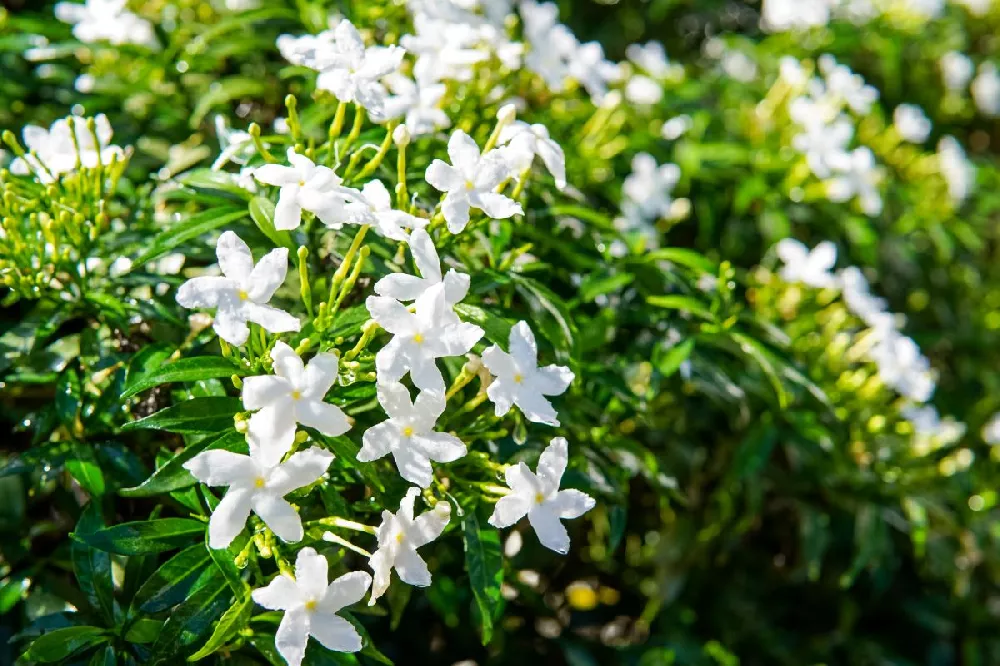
(682, 303)
(191, 619)
(59, 644)
(484, 562)
(497, 330)
(671, 359)
(181, 232)
(142, 537)
(688, 258)
(103, 657)
(183, 370)
(68, 396)
(598, 285)
(262, 213)
(231, 622)
(84, 468)
(92, 566)
(198, 415)
(173, 581)
(172, 476)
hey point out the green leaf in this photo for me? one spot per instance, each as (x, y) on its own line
(595, 286)
(172, 476)
(191, 228)
(84, 468)
(173, 581)
(682, 303)
(59, 644)
(68, 396)
(103, 657)
(210, 414)
(262, 213)
(191, 619)
(671, 359)
(224, 91)
(144, 630)
(231, 622)
(142, 537)
(183, 370)
(484, 562)
(684, 257)
(497, 330)
(92, 566)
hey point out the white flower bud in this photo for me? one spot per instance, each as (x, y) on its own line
(506, 114)
(401, 136)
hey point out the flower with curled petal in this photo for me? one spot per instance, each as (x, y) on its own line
(399, 536)
(311, 607)
(243, 291)
(431, 332)
(523, 142)
(256, 484)
(304, 186)
(294, 394)
(519, 381)
(537, 495)
(469, 182)
(403, 287)
(810, 267)
(409, 434)
(373, 206)
(354, 74)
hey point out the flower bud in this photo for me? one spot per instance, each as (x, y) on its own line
(506, 114)
(401, 136)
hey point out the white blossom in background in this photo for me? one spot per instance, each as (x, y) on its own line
(310, 607)
(404, 287)
(235, 146)
(445, 50)
(785, 15)
(791, 71)
(902, 366)
(976, 7)
(958, 172)
(844, 85)
(242, 293)
(588, 65)
(469, 182)
(537, 495)
(647, 190)
(675, 128)
(911, 123)
(857, 176)
(421, 337)
(930, 431)
(643, 91)
(292, 395)
(399, 536)
(304, 186)
(986, 90)
(106, 20)
(823, 141)
(53, 152)
(859, 299)
(416, 102)
(519, 381)
(548, 41)
(522, 142)
(991, 431)
(651, 58)
(956, 69)
(373, 206)
(258, 485)
(809, 267)
(409, 435)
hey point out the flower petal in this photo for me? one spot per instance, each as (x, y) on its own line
(440, 446)
(221, 468)
(509, 510)
(495, 205)
(522, 345)
(381, 563)
(427, 408)
(456, 286)
(346, 590)
(287, 364)
(391, 362)
(401, 287)
(234, 257)
(554, 159)
(553, 379)
(280, 594)
(551, 533)
(300, 470)
(411, 568)
(322, 416)
(230, 323)
(264, 390)
(463, 153)
(378, 441)
(572, 503)
(336, 633)
(455, 208)
(204, 292)
(390, 315)
(395, 400)
(229, 517)
(292, 636)
(425, 255)
(522, 480)
(279, 515)
(272, 429)
(498, 362)
(535, 407)
(268, 275)
(425, 374)
(276, 174)
(443, 177)
(429, 525)
(501, 393)
(552, 464)
(271, 319)
(459, 339)
(288, 212)
(413, 465)
(310, 572)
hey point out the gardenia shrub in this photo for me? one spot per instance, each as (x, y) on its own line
(430, 332)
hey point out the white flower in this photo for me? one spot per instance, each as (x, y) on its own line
(902, 366)
(53, 152)
(643, 91)
(651, 58)
(911, 123)
(311, 607)
(783, 15)
(256, 484)
(304, 185)
(469, 182)
(445, 50)
(588, 65)
(417, 103)
(237, 145)
(859, 300)
(522, 142)
(293, 394)
(537, 495)
(399, 536)
(106, 20)
(409, 434)
(647, 189)
(433, 331)
(991, 431)
(856, 175)
(822, 143)
(844, 85)
(403, 287)
(519, 381)
(243, 293)
(811, 268)
(355, 74)
(373, 206)
(957, 171)
(791, 71)
(674, 128)
(957, 69)
(986, 90)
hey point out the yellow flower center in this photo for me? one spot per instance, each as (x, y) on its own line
(260, 482)
(296, 394)
(302, 183)
(244, 295)
(469, 185)
(539, 498)
(399, 538)
(418, 338)
(518, 378)
(311, 605)
(408, 431)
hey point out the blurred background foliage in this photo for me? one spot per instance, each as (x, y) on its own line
(762, 500)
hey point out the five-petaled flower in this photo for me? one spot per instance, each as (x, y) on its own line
(399, 536)
(353, 73)
(242, 294)
(469, 182)
(522, 142)
(810, 267)
(409, 434)
(311, 607)
(404, 287)
(256, 484)
(519, 381)
(294, 394)
(373, 206)
(304, 186)
(537, 495)
(433, 331)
